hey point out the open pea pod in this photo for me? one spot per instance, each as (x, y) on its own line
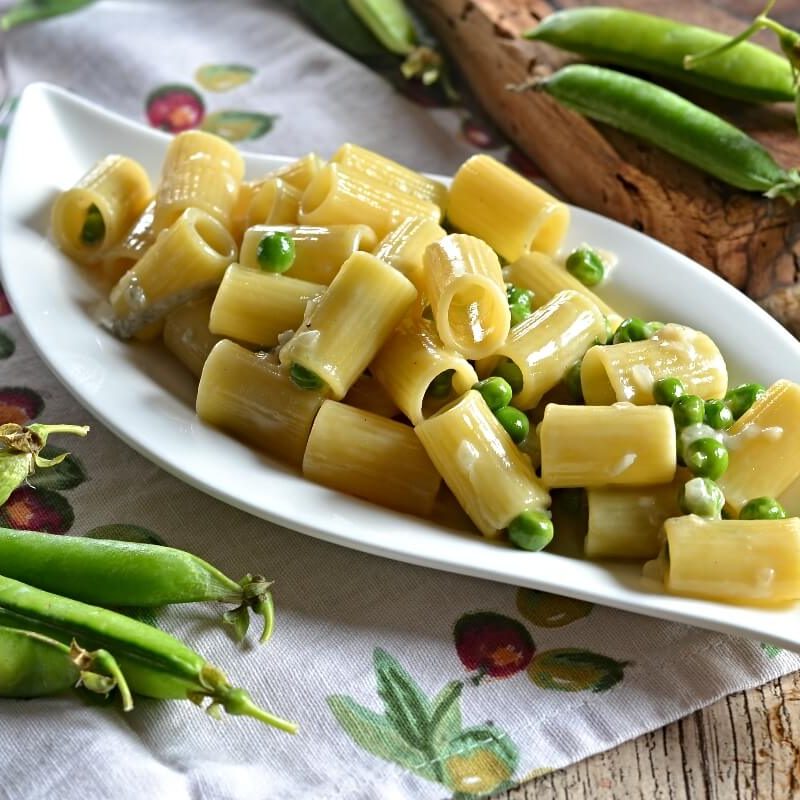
(389, 22)
(35, 665)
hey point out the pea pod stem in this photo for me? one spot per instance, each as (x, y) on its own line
(124, 574)
(672, 123)
(154, 663)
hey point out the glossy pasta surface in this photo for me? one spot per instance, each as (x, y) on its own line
(335, 321)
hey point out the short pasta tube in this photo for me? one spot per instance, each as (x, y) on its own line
(545, 278)
(627, 371)
(241, 208)
(187, 259)
(319, 252)
(253, 398)
(404, 247)
(409, 363)
(118, 259)
(626, 523)
(273, 202)
(513, 215)
(200, 171)
(100, 209)
(489, 475)
(371, 457)
(256, 307)
(764, 447)
(619, 445)
(464, 285)
(736, 561)
(186, 334)
(299, 173)
(339, 196)
(546, 344)
(350, 322)
(383, 170)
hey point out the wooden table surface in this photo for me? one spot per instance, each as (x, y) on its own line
(744, 747)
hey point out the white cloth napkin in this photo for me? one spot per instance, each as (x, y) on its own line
(543, 681)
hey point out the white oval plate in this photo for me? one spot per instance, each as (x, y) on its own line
(147, 399)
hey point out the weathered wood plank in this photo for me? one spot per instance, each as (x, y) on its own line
(744, 747)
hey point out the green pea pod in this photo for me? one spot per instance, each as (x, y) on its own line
(34, 10)
(123, 574)
(34, 665)
(155, 664)
(20, 449)
(671, 122)
(389, 22)
(657, 45)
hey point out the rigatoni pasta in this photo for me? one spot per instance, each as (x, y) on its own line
(339, 196)
(319, 251)
(187, 259)
(370, 457)
(550, 341)
(119, 258)
(255, 307)
(404, 247)
(628, 371)
(273, 202)
(619, 445)
(485, 470)
(513, 215)
(186, 334)
(200, 171)
(463, 282)
(326, 343)
(98, 211)
(252, 397)
(299, 173)
(409, 363)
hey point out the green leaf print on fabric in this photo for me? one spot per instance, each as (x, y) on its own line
(550, 610)
(571, 669)
(425, 736)
(223, 77)
(29, 509)
(66, 475)
(236, 126)
(35, 10)
(770, 650)
(7, 345)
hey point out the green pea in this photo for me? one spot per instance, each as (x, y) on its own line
(441, 385)
(515, 423)
(531, 530)
(94, 226)
(632, 329)
(586, 265)
(511, 374)
(703, 497)
(667, 390)
(276, 252)
(706, 458)
(572, 379)
(762, 508)
(718, 415)
(519, 313)
(688, 410)
(516, 294)
(495, 391)
(305, 378)
(742, 397)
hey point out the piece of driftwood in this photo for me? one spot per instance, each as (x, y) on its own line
(752, 242)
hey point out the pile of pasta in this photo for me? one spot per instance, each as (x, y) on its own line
(360, 356)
